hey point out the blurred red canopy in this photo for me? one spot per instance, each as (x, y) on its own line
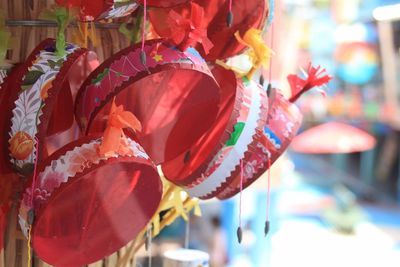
(333, 137)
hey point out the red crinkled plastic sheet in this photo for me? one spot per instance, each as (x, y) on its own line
(188, 167)
(246, 14)
(174, 96)
(97, 211)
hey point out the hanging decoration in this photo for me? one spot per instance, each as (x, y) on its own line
(104, 188)
(168, 128)
(246, 14)
(40, 96)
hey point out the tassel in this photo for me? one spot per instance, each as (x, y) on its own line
(266, 228)
(262, 80)
(315, 77)
(239, 232)
(142, 52)
(229, 17)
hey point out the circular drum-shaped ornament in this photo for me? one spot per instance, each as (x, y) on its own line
(87, 206)
(226, 162)
(283, 122)
(41, 94)
(246, 14)
(173, 94)
(188, 167)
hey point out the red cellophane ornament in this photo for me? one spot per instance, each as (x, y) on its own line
(246, 15)
(163, 3)
(89, 10)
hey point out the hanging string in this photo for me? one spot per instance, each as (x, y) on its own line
(149, 241)
(266, 229)
(269, 88)
(239, 230)
(142, 53)
(229, 18)
(187, 232)
(29, 246)
(31, 213)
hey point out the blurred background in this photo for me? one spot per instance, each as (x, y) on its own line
(335, 195)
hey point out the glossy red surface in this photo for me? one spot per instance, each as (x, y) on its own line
(163, 3)
(97, 212)
(188, 167)
(246, 13)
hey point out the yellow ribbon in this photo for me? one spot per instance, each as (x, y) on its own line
(84, 33)
(259, 52)
(178, 204)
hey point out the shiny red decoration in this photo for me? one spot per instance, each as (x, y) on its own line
(187, 168)
(333, 137)
(246, 14)
(89, 10)
(95, 212)
(173, 95)
(163, 3)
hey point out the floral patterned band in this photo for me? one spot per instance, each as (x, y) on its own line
(40, 85)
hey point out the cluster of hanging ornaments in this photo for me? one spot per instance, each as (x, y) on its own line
(161, 102)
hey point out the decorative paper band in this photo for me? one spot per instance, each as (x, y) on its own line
(66, 166)
(284, 120)
(187, 169)
(229, 156)
(37, 83)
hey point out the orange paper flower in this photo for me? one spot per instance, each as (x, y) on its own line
(45, 89)
(21, 145)
(114, 140)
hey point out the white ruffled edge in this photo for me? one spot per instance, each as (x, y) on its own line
(137, 150)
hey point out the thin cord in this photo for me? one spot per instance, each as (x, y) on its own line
(142, 53)
(272, 48)
(29, 246)
(149, 235)
(34, 171)
(266, 228)
(241, 191)
(187, 232)
(230, 5)
(239, 230)
(144, 22)
(31, 203)
(268, 188)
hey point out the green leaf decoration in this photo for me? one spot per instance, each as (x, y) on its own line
(31, 77)
(62, 16)
(238, 129)
(100, 76)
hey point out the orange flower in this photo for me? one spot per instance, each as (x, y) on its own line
(45, 87)
(114, 137)
(21, 145)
